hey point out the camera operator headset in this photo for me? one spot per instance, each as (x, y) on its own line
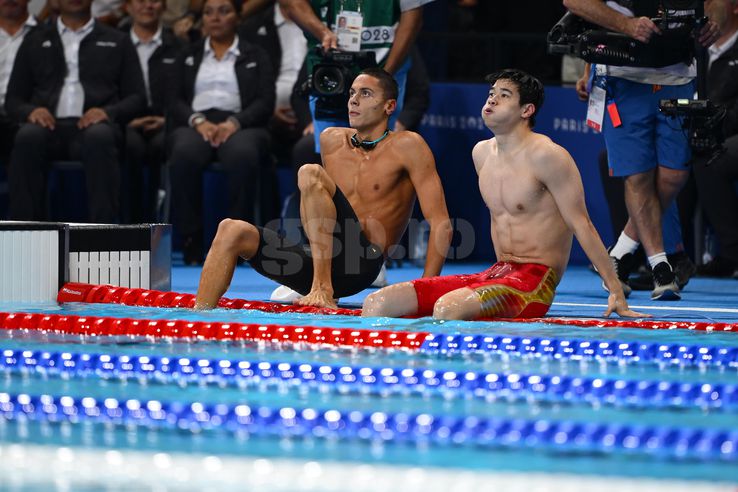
(649, 151)
(716, 180)
(386, 27)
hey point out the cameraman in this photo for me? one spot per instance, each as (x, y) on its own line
(716, 181)
(649, 151)
(389, 29)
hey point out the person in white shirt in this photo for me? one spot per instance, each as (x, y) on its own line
(716, 180)
(650, 153)
(158, 50)
(74, 84)
(224, 99)
(15, 23)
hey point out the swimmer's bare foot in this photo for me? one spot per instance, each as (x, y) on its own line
(318, 298)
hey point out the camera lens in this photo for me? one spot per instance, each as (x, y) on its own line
(328, 81)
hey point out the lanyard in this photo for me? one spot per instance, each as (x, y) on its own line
(358, 5)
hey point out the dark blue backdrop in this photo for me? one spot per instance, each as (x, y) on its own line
(452, 125)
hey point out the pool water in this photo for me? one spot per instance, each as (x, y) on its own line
(462, 451)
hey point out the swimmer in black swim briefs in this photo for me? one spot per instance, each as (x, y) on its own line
(354, 206)
(356, 261)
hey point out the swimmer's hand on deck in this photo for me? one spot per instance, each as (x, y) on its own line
(616, 303)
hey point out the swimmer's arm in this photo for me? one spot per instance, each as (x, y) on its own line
(422, 171)
(556, 169)
(479, 154)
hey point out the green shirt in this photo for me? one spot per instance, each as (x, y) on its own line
(381, 18)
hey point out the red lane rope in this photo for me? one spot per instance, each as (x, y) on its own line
(200, 330)
(109, 294)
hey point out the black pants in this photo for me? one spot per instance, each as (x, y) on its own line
(143, 150)
(716, 185)
(240, 156)
(36, 147)
(7, 135)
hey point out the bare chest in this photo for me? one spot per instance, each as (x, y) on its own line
(364, 174)
(511, 189)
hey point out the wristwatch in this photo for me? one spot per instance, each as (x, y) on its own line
(197, 119)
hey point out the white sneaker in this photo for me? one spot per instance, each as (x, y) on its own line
(381, 280)
(284, 294)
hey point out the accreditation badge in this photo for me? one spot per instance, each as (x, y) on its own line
(596, 108)
(348, 30)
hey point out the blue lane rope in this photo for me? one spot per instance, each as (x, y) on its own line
(559, 436)
(380, 380)
(579, 349)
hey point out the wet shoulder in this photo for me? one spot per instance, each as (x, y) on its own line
(481, 152)
(546, 156)
(334, 138)
(408, 140)
(409, 144)
(542, 149)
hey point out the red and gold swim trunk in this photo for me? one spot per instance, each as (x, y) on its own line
(505, 290)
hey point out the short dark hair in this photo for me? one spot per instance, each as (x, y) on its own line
(386, 81)
(529, 88)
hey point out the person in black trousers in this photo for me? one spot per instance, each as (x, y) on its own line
(158, 50)
(15, 24)
(74, 83)
(224, 101)
(717, 180)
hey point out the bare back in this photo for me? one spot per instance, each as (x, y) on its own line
(378, 182)
(527, 224)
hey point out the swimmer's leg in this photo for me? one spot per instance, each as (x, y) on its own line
(318, 215)
(234, 238)
(392, 301)
(463, 304)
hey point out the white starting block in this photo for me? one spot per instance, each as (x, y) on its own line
(37, 258)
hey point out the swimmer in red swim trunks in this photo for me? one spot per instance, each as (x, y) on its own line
(536, 200)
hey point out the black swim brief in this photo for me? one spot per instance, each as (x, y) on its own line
(356, 261)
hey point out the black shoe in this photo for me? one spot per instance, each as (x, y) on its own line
(644, 279)
(192, 250)
(622, 267)
(683, 267)
(719, 267)
(665, 287)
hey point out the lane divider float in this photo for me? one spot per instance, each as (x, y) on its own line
(663, 442)
(424, 342)
(383, 381)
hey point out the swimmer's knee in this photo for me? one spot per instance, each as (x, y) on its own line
(445, 310)
(392, 301)
(460, 304)
(235, 235)
(310, 176)
(374, 304)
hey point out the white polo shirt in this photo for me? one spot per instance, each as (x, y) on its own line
(216, 85)
(8, 49)
(72, 98)
(145, 49)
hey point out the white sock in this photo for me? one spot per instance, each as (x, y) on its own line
(657, 258)
(624, 246)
